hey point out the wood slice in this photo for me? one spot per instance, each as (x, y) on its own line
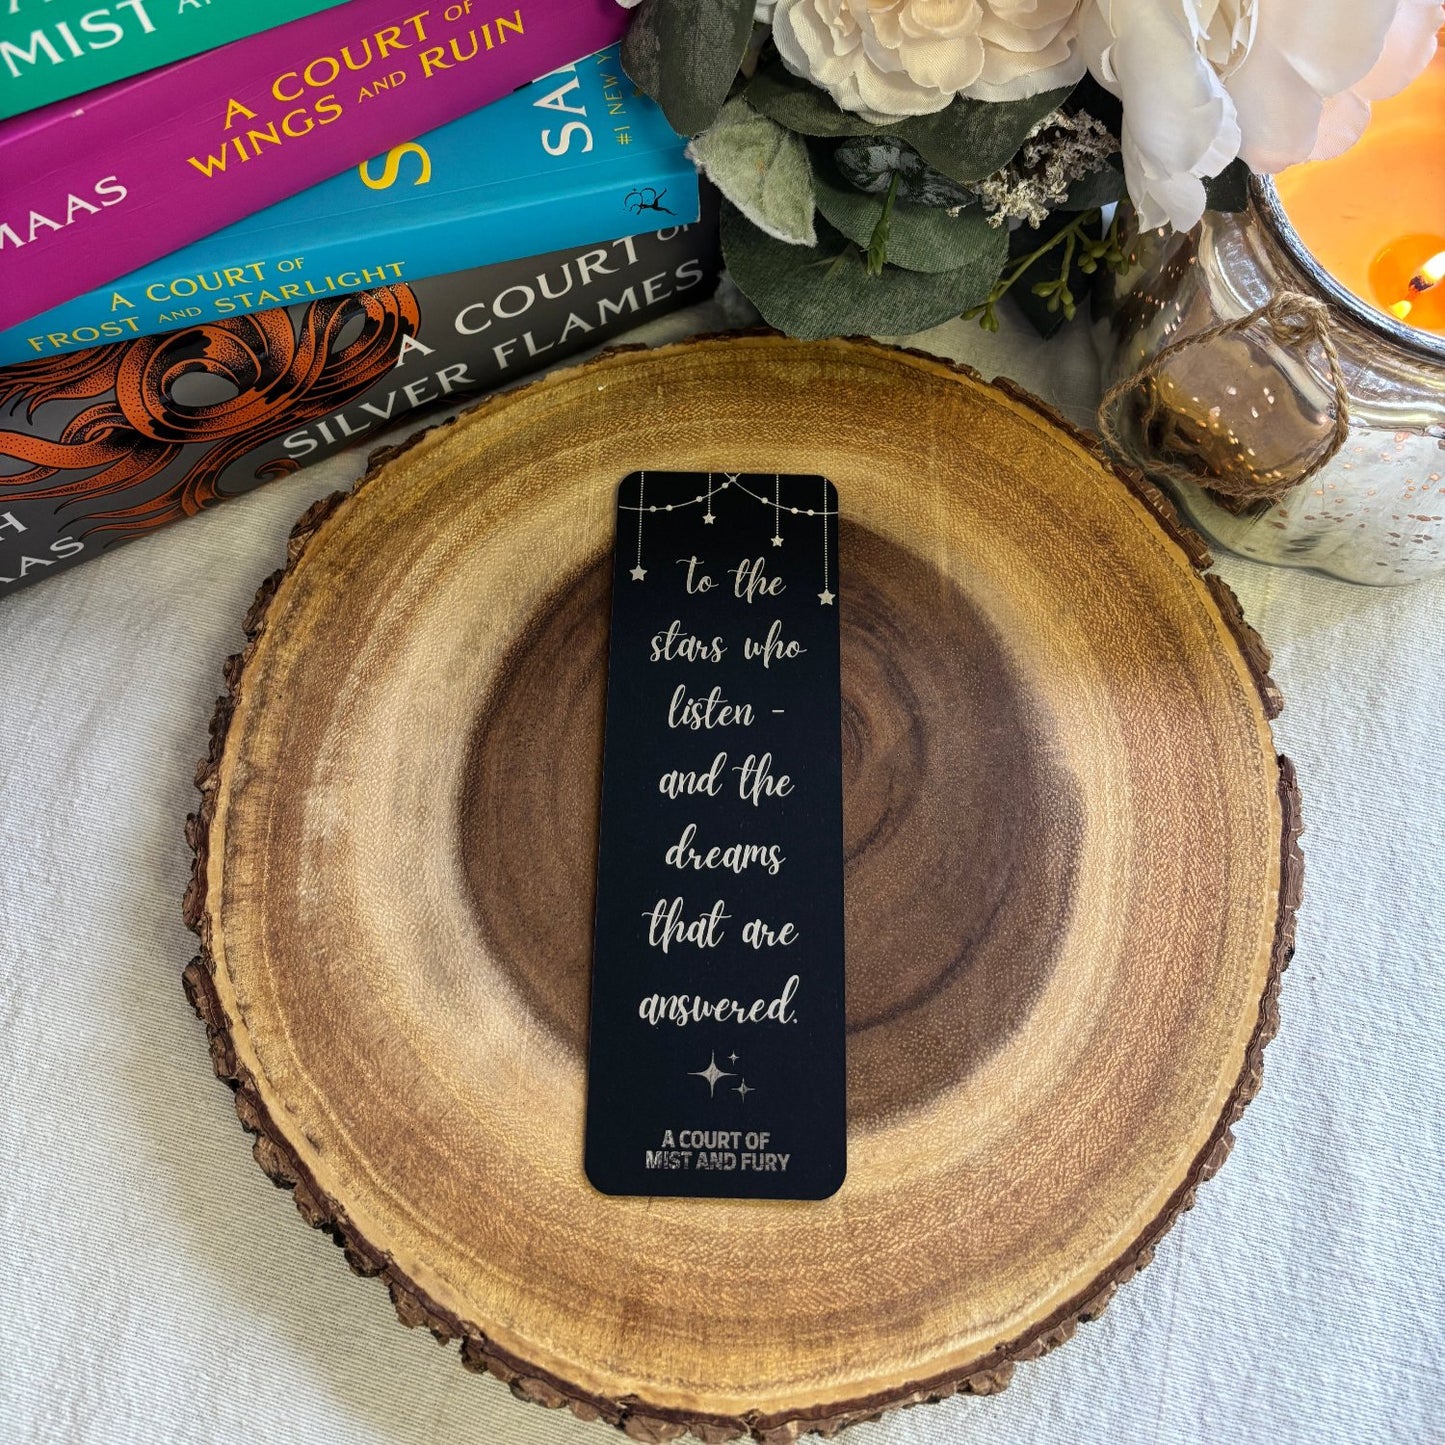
(1072, 871)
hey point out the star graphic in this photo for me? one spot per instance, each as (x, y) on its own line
(743, 1091)
(825, 597)
(777, 541)
(638, 573)
(708, 518)
(712, 1074)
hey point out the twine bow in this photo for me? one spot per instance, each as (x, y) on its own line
(1294, 320)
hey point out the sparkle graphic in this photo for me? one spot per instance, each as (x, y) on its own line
(732, 1058)
(743, 1091)
(712, 1074)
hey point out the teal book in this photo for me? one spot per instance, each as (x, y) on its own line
(573, 158)
(53, 49)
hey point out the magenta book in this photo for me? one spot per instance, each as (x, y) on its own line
(101, 184)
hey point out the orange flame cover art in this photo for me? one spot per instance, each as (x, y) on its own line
(100, 446)
(279, 374)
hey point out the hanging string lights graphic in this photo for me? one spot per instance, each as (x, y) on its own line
(732, 482)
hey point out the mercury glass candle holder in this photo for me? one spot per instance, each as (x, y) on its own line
(1232, 424)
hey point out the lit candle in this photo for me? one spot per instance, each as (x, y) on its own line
(1374, 217)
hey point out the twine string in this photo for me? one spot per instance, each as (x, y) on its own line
(1295, 321)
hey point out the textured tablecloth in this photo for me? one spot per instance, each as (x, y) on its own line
(155, 1287)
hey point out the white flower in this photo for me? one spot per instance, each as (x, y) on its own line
(1409, 48)
(1029, 46)
(1203, 81)
(885, 58)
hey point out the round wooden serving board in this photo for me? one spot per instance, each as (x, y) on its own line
(1072, 869)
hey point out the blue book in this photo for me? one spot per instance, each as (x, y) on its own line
(576, 157)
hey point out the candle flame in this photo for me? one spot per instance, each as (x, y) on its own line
(1430, 274)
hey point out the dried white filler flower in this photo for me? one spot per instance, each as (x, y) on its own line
(1058, 151)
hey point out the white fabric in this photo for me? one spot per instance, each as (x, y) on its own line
(154, 1287)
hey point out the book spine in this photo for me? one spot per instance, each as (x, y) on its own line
(146, 166)
(105, 445)
(156, 300)
(60, 48)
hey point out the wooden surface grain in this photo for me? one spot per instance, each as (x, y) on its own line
(1071, 870)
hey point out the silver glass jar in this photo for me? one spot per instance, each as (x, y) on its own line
(1244, 413)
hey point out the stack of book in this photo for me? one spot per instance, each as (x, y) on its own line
(283, 237)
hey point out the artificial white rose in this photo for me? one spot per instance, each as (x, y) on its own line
(1179, 120)
(1204, 81)
(1029, 46)
(1333, 55)
(1409, 48)
(883, 58)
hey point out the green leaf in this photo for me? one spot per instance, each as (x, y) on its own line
(870, 162)
(1229, 190)
(761, 168)
(971, 139)
(800, 106)
(967, 140)
(685, 54)
(825, 290)
(920, 238)
(1102, 188)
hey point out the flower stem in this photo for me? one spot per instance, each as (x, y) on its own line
(1069, 237)
(1070, 233)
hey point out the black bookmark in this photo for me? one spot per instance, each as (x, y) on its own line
(717, 1045)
